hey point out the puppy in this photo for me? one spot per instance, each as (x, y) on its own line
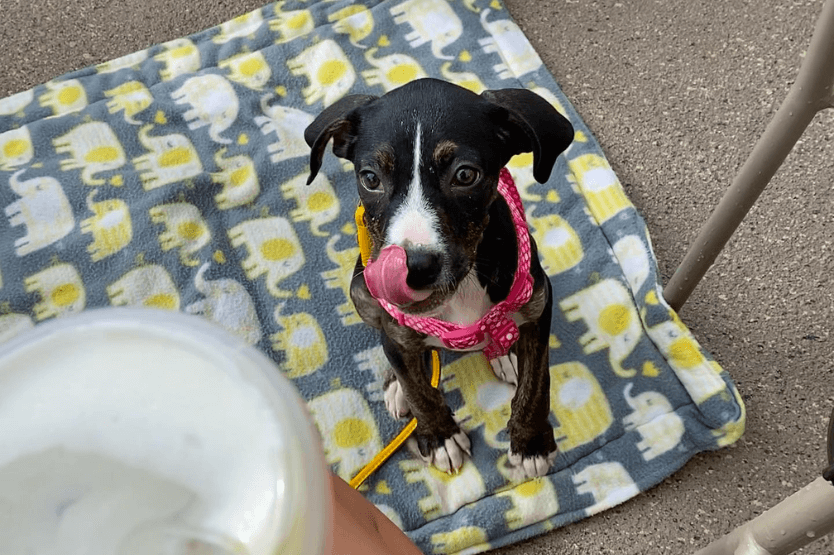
(452, 262)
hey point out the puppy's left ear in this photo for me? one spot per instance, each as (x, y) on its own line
(533, 125)
(338, 122)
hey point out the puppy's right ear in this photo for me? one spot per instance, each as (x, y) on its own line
(338, 122)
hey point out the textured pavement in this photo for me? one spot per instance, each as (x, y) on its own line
(677, 93)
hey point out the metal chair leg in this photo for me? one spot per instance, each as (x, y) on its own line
(811, 93)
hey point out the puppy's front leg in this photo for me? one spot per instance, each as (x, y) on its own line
(532, 446)
(439, 439)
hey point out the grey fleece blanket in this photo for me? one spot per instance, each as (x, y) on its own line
(174, 178)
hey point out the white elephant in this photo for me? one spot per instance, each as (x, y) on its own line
(291, 24)
(64, 97)
(392, 71)
(633, 256)
(432, 21)
(607, 310)
(93, 148)
(339, 278)
(609, 483)
(110, 225)
(132, 97)
(249, 69)
(357, 22)
(60, 289)
(228, 304)
(532, 501)
(16, 103)
(43, 208)
(349, 433)
(180, 56)
(149, 286)
(213, 102)
(444, 494)
(465, 79)
(16, 148)
(599, 185)
(171, 158)
(508, 41)
(274, 251)
(654, 418)
(243, 26)
(328, 70)
(239, 179)
(302, 341)
(558, 243)
(316, 203)
(288, 124)
(185, 229)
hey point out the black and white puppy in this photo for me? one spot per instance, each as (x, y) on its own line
(427, 158)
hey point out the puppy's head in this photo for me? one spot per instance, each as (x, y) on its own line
(427, 157)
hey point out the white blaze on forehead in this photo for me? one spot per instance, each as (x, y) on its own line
(415, 222)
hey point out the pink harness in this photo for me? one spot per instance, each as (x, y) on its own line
(496, 326)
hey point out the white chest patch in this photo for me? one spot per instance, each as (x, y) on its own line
(469, 303)
(415, 222)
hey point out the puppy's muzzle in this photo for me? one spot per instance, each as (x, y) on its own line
(423, 268)
(402, 277)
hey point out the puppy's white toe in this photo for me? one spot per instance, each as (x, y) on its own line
(532, 467)
(395, 400)
(505, 368)
(450, 456)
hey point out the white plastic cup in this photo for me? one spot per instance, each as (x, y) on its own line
(133, 431)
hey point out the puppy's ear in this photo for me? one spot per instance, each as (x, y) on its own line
(338, 122)
(533, 125)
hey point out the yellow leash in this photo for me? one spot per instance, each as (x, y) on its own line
(365, 253)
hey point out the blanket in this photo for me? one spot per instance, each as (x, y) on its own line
(174, 177)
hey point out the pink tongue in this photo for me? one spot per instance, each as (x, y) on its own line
(386, 275)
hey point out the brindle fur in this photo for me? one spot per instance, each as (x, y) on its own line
(478, 227)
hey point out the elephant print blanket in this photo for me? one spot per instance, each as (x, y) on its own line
(175, 178)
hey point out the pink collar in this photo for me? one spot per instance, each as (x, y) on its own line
(496, 326)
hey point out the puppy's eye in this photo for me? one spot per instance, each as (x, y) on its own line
(369, 180)
(466, 176)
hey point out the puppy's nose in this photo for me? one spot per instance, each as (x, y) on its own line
(423, 269)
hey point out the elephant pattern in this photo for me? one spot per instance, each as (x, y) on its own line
(227, 303)
(16, 148)
(179, 57)
(149, 286)
(654, 418)
(288, 125)
(432, 21)
(274, 251)
(64, 97)
(391, 71)
(239, 179)
(213, 103)
(328, 70)
(110, 226)
(170, 158)
(131, 98)
(175, 178)
(43, 209)
(249, 69)
(185, 229)
(93, 148)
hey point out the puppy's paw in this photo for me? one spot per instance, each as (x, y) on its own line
(447, 454)
(531, 466)
(534, 456)
(505, 368)
(395, 400)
